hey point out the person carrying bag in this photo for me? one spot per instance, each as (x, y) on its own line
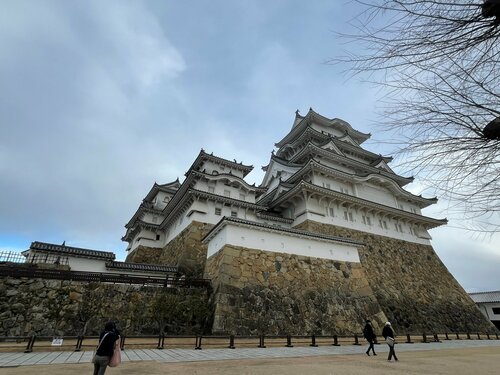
(388, 334)
(108, 350)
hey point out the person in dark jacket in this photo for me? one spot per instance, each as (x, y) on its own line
(105, 348)
(388, 334)
(370, 336)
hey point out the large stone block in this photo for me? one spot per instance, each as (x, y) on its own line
(415, 290)
(312, 296)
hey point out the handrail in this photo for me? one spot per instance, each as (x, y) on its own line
(233, 340)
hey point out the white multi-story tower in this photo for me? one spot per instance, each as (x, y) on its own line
(329, 238)
(321, 173)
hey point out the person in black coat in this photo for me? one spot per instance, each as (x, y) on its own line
(388, 334)
(105, 348)
(369, 335)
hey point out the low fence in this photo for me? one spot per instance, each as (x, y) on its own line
(34, 272)
(12, 257)
(79, 343)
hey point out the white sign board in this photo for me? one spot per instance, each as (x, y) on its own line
(57, 342)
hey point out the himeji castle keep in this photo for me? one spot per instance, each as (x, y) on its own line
(328, 239)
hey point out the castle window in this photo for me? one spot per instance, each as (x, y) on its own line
(234, 214)
(383, 224)
(215, 172)
(348, 216)
(366, 220)
(218, 211)
(399, 228)
(496, 310)
(157, 237)
(331, 211)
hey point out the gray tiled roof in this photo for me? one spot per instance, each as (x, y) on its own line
(142, 267)
(69, 250)
(485, 297)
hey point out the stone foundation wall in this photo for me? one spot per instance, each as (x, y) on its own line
(54, 307)
(276, 293)
(144, 254)
(186, 250)
(416, 291)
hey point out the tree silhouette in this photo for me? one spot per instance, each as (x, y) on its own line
(438, 63)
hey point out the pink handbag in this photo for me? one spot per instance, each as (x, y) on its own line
(116, 358)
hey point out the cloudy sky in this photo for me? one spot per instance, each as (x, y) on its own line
(100, 99)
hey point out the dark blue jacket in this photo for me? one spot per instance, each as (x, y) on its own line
(108, 344)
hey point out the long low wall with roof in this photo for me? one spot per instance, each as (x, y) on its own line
(43, 307)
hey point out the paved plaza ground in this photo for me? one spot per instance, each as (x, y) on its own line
(453, 357)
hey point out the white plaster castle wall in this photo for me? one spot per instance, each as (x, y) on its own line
(487, 310)
(86, 264)
(313, 211)
(210, 167)
(205, 212)
(259, 239)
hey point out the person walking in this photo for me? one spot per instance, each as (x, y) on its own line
(388, 334)
(105, 349)
(369, 335)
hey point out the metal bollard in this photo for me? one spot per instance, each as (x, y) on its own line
(496, 334)
(231, 342)
(487, 335)
(468, 336)
(446, 335)
(335, 340)
(458, 337)
(408, 339)
(478, 336)
(262, 341)
(289, 341)
(313, 341)
(424, 338)
(356, 340)
(436, 338)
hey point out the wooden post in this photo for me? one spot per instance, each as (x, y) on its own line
(335, 340)
(356, 341)
(198, 343)
(231, 342)
(122, 342)
(31, 342)
(289, 341)
(261, 341)
(313, 341)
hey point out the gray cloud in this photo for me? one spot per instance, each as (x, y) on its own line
(99, 100)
